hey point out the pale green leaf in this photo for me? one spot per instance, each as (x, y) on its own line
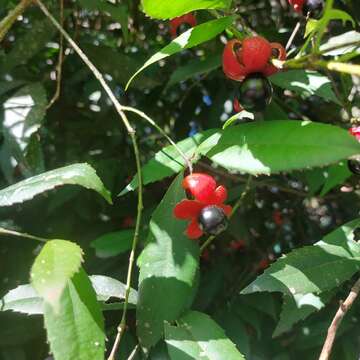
(164, 9)
(76, 174)
(57, 262)
(76, 329)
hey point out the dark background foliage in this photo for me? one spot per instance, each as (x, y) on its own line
(82, 126)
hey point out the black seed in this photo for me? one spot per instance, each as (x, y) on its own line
(182, 28)
(314, 7)
(255, 93)
(354, 166)
(212, 220)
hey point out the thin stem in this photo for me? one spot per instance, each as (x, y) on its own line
(8, 21)
(293, 34)
(133, 353)
(60, 60)
(24, 235)
(132, 135)
(235, 208)
(344, 307)
(162, 132)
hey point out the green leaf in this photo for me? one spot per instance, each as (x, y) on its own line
(345, 43)
(57, 262)
(299, 307)
(336, 175)
(164, 9)
(313, 269)
(306, 83)
(107, 287)
(76, 174)
(199, 337)
(195, 68)
(23, 299)
(168, 161)
(76, 330)
(168, 270)
(192, 37)
(113, 243)
(275, 146)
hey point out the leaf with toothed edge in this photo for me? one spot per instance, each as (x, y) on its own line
(271, 147)
(75, 329)
(168, 272)
(190, 38)
(76, 174)
(57, 262)
(313, 269)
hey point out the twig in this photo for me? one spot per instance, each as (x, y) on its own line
(341, 312)
(133, 353)
(15, 233)
(8, 21)
(162, 132)
(132, 134)
(235, 208)
(293, 34)
(60, 60)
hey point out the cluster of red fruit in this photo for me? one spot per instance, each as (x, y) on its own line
(205, 210)
(249, 62)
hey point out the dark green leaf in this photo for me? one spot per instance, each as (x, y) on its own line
(274, 146)
(192, 37)
(168, 270)
(313, 269)
(199, 337)
(77, 174)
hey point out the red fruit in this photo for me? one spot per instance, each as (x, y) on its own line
(277, 52)
(355, 131)
(255, 54)
(201, 186)
(236, 106)
(277, 217)
(231, 61)
(263, 264)
(297, 5)
(175, 24)
(207, 195)
(237, 245)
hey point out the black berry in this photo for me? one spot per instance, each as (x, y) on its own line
(354, 166)
(314, 8)
(212, 220)
(182, 28)
(356, 234)
(255, 93)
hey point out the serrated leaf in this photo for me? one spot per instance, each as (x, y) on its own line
(114, 243)
(190, 38)
(313, 269)
(57, 262)
(76, 330)
(164, 9)
(306, 83)
(23, 299)
(299, 307)
(199, 337)
(275, 146)
(76, 174)
(107, 287)
(168, 161)
(168, 270)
